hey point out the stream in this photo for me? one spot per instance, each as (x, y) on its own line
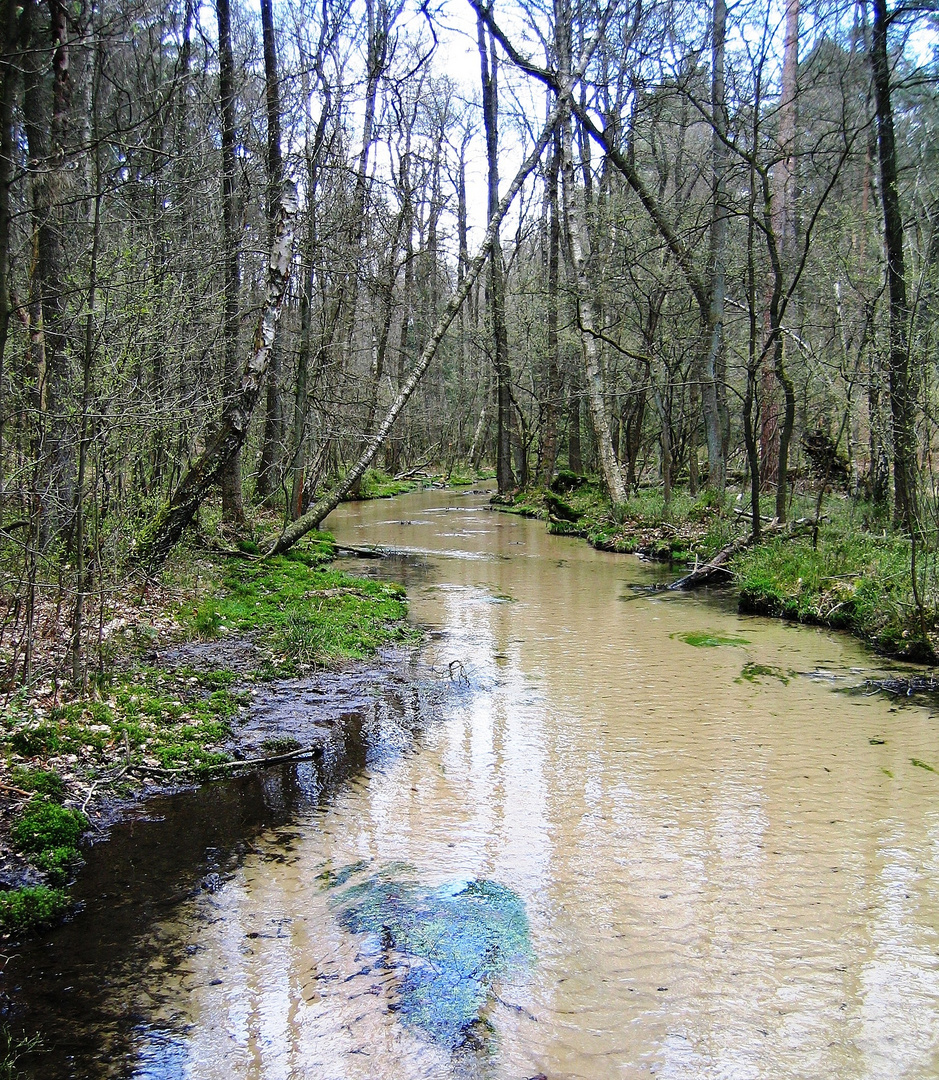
(613, 833)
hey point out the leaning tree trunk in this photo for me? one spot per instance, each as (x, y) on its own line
(312, 519)
(166, 528)
(331, 500)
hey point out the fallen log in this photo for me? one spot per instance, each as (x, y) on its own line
(716, 572)
(362, 552)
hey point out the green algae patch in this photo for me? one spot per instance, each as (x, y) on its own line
(755, 673)
(706, 639)
(922, 764)
(446, 945)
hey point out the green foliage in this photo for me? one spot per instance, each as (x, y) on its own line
(31, 908)
(852, 580)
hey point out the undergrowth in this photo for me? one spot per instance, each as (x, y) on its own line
(308, 614)
(138, 720)
(31, 908)
(852, 580)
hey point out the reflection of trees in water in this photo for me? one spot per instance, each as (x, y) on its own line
(80, 987)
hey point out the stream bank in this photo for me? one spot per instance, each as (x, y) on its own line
(700, 841)
(228, 663)
(847, 571)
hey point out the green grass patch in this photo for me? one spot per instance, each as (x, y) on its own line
(376, 484)
(851, 580)
(31, 908)
(308, 615)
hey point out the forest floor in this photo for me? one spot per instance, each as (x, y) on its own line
(848, 570)
(191, 678)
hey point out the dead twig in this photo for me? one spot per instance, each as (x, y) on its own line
(273, 759)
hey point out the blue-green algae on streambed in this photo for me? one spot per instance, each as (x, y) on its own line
(447, 945)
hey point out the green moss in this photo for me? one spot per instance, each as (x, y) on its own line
(31, 908)
(308, 615)
(42, 781)
(47, 826)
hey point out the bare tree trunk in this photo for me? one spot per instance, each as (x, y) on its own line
(49, 362)
(784, 221)
(495, 288)
(711, 384)
(230, 473)
(166, 528)
(9, 76)
(901, 392)
(273, 439)
(576, 248)
(551, 381)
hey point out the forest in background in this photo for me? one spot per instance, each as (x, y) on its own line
(242, 251)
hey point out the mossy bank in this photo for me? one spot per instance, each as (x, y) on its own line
(172, 704)
(845, 568)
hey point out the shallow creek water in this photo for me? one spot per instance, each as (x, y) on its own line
(729, 866)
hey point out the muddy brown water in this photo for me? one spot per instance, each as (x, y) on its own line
(730, 866)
